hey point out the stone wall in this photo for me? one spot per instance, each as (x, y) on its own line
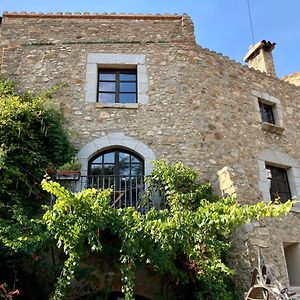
(202, 107)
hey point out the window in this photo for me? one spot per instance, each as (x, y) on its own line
(269, 112)
(117, 86)
(266, 112)
(125, 87)
(278, 183)
(292, 257)
(121, 170)
(116, 163)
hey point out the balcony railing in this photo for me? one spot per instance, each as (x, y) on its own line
(127, 191)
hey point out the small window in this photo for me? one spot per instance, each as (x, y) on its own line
(266, 112)
(117, 86)
(292, 257)
(278, 183)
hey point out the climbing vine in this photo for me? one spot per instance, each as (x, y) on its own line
(187, 240)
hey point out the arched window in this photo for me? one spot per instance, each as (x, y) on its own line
(121, 170)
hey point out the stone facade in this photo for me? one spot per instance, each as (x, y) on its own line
(198, 107)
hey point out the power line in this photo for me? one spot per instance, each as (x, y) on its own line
(250, 20)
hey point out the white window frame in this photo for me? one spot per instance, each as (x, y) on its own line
(117, 61)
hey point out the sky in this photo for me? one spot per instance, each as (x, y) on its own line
(220, 25)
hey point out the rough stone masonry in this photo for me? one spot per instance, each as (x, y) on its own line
(199, 107)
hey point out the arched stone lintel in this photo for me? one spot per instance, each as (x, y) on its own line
(115, 139)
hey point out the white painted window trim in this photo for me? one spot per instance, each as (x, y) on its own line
(270, 100)
(277, 158)
(112, 140)
(96, 60)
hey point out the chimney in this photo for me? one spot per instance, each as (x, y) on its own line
(260, 57)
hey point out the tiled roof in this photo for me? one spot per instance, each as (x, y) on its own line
(293, 75)
(88, 15)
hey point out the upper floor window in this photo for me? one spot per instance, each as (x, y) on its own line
(278, 183)
(116, 80)
(117, 86)
(266, 112)
(269, 112)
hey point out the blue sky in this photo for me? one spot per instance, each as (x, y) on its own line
(220, 25)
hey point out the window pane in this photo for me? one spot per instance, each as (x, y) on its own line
(134, 159)
(106, 97)
(98, 160)
(136, 170)
(284, 197)
(127, 87)
(109, 157)
(96, 169)
(107, 76)
(266, 112)
(124, 157)
(108, 169)
(127, 77)
(124, 170)
(279, 186)
(127, 98)
(107, 86)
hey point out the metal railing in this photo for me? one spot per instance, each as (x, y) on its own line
(127, 191)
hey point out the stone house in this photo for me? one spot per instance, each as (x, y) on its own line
(139, 88)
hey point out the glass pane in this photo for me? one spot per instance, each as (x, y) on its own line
(127, 77)
(124, 170)
(127, 87)
(108, 169)
(123, 157)
(98, 160)
(107, 76)
(109, 157)
(136, 170)
(127, 98)
(134, 159)
(106, 97)
(96, 169)
(284, 197)
(107, 86)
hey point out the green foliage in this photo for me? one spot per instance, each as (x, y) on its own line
(32, 140)
(73, 165)
(187, 241)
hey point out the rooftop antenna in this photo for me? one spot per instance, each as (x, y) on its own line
(250, 20)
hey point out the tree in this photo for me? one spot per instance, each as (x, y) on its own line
(32, 140)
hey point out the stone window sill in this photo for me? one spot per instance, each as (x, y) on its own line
(117, 105)
(272, 128)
